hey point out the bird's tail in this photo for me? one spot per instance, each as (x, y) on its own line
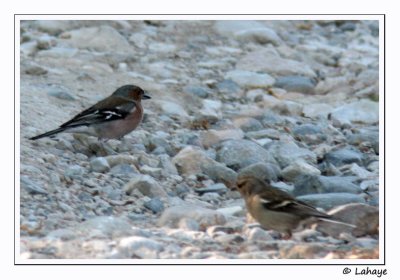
(47, 134)
(331, 220)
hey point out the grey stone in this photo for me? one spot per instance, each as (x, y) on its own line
(35, 70)
(53, 27)
(32, 187)
(146, 185)
(344, 156)
(123, 169)
(248, 79)
(219, 173)
(257, 234)
(99, 38)
(363, 111)
(329, 200)
(190, 160)
(248, 124)
(264, 133)
(311, 184)
(266, 61)
(228, 87)
(317, 110)
(237, 154)
(138, 247)
(296, 84)
(74, 171)
(105, 227)
(231, 211)
(199, 91)
(211, 137)
(230, 27)
(99, 164)
(262, 35)
(218, 188)
(167, 165)
(298, 168)
(172, 216)
(61, 94)
(288, 152)
(155, 205)
(264, 171)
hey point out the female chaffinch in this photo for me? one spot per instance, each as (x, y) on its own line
(276, 209)
(112, 117)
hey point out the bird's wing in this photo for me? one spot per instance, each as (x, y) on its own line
(98, 114)
(286, 203)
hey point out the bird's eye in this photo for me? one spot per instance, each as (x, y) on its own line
(240, 185)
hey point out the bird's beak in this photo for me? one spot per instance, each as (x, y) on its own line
(146, 96)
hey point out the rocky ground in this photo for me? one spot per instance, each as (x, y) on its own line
(292, 101)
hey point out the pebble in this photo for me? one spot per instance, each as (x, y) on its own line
(248, 79)
(263, 171)
(295, 84)
(74, 172)
(363, 111)
(155, 205)
(99, 164)
(298, 168)
(344, 156)
(138, 247)
(237, 154)
(217, 188)
(286, 153)
(32, 187)
(262, 35)
(147, 185)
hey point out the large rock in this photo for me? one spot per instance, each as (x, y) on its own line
(100, 38)
(288, 152)
(263, 171)
(237, 154)
(362, 111)
(248, 79)
(146, 185)
(192, 160)
(262, 35)
(295, 84)
(344, 156)
(269, 62)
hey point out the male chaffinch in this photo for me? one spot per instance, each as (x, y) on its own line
(276, 209)
(112, 117)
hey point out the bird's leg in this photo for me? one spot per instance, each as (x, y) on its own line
(105, 148)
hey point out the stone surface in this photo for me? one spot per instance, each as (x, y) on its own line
(241, 153)
(309, 184)
(171, 217)
(248, 79)
(146, 185)
(363, 111)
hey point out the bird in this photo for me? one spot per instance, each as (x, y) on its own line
(276, 209)
(110, 118)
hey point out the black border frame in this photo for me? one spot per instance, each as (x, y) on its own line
(227, 264)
